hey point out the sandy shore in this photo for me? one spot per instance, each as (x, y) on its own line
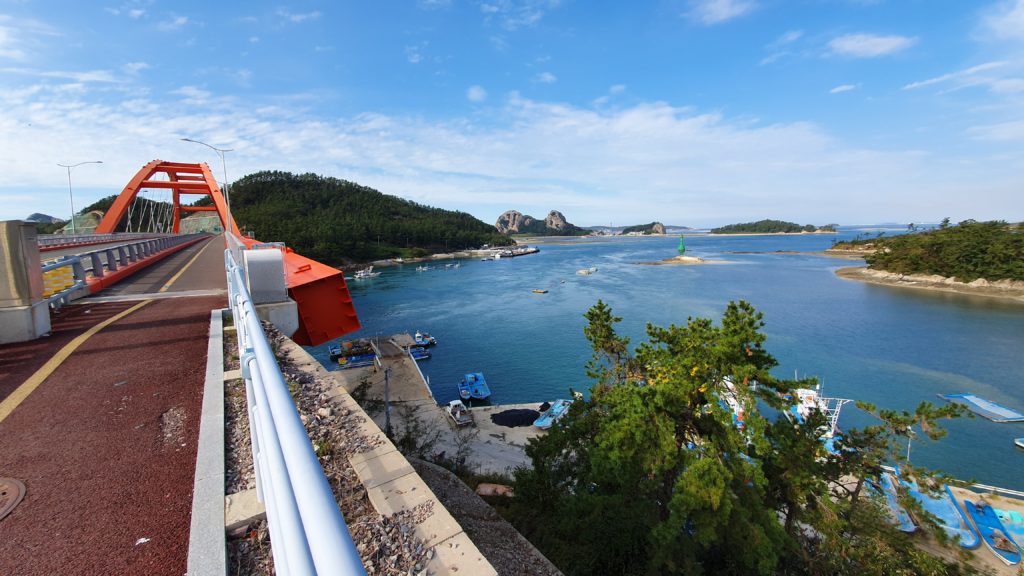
(1004, 289)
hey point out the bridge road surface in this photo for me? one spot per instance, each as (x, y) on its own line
(106, 444)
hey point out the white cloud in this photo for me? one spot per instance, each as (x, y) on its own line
(780, 47)
(476, 93)
(136, 13)
(637, 162)
(545, 78)
(711, 12)
(298, 18)
(254, 39)
(517, 14)
(869, 45)
(433, 4)
(136, 67)
(842, 88)
(1001, 132)
(1005, 20)
(412, 54)
(20, 36)
(103, 76)
(996, 76)
(175, 23)
(616, 88)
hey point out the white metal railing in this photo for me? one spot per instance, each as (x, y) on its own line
(307, 532)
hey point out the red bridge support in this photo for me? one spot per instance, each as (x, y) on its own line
(324, 303)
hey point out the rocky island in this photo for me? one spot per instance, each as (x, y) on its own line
(514, 222)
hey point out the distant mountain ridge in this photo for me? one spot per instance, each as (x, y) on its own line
(515, 222)
(615, 230)
(43, 218)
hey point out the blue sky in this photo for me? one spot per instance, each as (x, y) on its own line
(691, 112)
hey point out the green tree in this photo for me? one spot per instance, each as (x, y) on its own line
(652, 474)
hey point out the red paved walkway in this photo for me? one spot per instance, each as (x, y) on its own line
(106, 445)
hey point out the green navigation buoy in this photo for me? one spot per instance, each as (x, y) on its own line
(682, 245)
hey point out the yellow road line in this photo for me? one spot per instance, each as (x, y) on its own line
(29, 386)
(185, 267)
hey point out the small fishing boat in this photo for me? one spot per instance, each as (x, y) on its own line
(942, 505)
(551, 415)
(422, 268)
(474, 386)
(424, 339)
(809, 401)
(992, 531)
(459, 414)
(897, 514)
(419, 353)
(357, 360)
(1019, 442)
(365, 274)
(539, 291)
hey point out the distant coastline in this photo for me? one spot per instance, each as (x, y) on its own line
(1003, 289)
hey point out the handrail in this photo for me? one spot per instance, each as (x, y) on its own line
(308, 534)
(55, 240)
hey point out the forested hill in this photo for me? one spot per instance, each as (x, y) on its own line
(336, 221)
(771, 227)
(971, 250)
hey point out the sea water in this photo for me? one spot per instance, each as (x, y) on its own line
(893, 347)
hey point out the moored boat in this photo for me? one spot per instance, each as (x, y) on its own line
(1019, 442)
(424, 339)
(474, 386)
(553, 414)
(539, 291)
(419, 353)
(357, 360)
(992, 531)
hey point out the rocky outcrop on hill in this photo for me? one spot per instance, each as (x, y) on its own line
(514, 222)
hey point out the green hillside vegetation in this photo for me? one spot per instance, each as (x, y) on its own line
(991, 250)
(336, 221)
(642, 228)
(770, 227)
(650, 475)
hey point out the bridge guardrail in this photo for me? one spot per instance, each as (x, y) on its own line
(307, 532)
(53, 241)
(68, 278)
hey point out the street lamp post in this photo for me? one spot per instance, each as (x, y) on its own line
(227, 198)
(71, 196)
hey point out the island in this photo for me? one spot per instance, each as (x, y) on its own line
(979, 258)
(644, 229)
(774, 227)
(513, 222)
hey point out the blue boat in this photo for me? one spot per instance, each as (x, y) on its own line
(357, 360)
(419, 353)
(997, 539)
(551, 415)
(943, 506)
(474, 386)
(897, 514)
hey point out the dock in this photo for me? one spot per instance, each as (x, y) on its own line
(491, 448)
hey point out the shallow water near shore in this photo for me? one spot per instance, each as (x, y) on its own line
(893, 347)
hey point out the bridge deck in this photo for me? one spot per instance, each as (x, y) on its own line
(106, 442)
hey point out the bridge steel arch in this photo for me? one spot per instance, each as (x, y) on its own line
(325, 306)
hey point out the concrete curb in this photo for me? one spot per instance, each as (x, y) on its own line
(207, 545)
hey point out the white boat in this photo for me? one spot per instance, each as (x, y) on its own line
(1019, 442)
(365, 274)
(422, 268)
(583, 272)
(459, 414)
(807, 402)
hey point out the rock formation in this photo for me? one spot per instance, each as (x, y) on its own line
(514, 222)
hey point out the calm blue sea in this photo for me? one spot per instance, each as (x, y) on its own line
(892, 347)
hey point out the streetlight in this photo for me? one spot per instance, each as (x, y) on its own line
(227, 199)
(70, 195)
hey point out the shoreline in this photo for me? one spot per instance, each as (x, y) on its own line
(1006, 290)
